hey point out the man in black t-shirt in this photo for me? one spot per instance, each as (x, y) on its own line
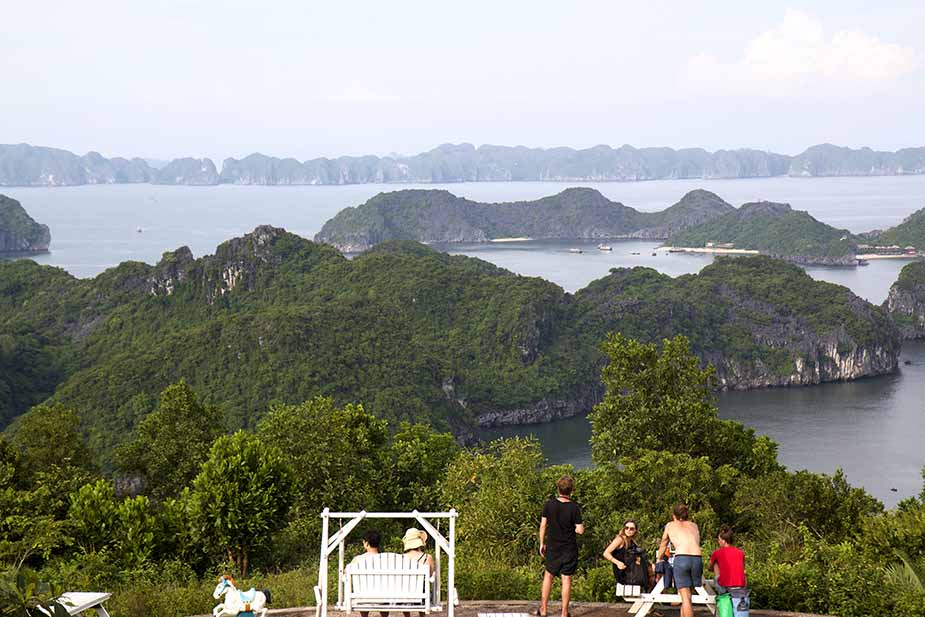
(560, 522)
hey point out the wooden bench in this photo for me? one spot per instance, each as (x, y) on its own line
(642, 603)
(387, 582)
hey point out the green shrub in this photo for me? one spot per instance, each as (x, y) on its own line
(481, 580)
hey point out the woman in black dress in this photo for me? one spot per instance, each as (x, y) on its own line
(630, 565)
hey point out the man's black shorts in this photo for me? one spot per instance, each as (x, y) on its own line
(562, 564)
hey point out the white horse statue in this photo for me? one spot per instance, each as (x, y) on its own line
(250, 603)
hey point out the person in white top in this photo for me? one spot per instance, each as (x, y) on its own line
(372, 541)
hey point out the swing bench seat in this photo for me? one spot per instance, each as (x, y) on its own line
(388, 582)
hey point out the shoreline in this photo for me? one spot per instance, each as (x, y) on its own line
(715, 251)
(878, 256)
(518, 239)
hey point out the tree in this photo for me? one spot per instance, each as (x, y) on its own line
(48, 436)
(646, 486)
(171, 442)
(660, 398)
(419, 460)
(94, 516)
(499, 493)
(339, 455)
(776, 505)
(241, 496)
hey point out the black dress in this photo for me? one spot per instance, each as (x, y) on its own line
(637, 566)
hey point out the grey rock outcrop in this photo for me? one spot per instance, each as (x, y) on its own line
(170, 271)
(906, 301)
(545, 410)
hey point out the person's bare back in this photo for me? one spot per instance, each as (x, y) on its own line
(688, 564)
(684, 536)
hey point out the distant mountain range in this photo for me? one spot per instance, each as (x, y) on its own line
(25, 165)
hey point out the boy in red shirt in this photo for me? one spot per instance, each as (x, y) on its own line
(728, 562)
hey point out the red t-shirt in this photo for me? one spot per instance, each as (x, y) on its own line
(731, 562)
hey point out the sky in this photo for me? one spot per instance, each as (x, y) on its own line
(165, 79)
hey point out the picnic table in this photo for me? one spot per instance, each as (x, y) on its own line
(644, 602)
(76, 602)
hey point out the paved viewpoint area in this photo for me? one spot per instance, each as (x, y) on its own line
(472, 608)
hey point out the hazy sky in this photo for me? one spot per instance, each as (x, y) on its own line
(311, 78)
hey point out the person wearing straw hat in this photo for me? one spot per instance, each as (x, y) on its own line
(414, 542)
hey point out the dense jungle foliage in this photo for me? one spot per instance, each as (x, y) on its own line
(248, 502)
(411, 333)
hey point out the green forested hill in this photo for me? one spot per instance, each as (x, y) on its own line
(759, 320)
(410, 332)
(911, 232)
(435, 216)
(413, 333)
(19, 233)
(774, 229)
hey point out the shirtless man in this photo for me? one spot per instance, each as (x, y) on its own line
(688, 563)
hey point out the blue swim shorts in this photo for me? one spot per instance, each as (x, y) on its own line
(688, 571)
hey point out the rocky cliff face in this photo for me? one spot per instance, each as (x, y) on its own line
(189, 171)
(466, 163)
(906, 301)
(829, 160)
(19, 233)
(545, 410)
(25, 165)
(100, 170)
(814, 361)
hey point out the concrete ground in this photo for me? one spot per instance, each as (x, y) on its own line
(472, 608)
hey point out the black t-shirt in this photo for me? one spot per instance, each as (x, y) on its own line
(561, 518)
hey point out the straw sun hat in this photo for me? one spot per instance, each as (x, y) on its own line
(414, 538)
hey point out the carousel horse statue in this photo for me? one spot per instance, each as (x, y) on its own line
(250, 603)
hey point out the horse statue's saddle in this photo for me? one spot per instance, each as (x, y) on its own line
(247, 598)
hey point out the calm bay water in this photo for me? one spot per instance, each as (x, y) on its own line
(871, 428)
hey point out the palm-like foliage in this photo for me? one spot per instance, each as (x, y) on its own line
(24, 594)
(906, 574)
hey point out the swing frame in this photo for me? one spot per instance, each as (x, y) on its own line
(330, 541)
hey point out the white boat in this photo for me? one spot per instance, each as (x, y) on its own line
(604, 247)
(139, 230)
(575, 251)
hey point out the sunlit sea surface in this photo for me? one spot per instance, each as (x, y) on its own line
(871, 428)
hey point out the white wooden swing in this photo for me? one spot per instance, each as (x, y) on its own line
(391, 583)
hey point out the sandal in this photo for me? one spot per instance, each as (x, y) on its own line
(537, 613)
